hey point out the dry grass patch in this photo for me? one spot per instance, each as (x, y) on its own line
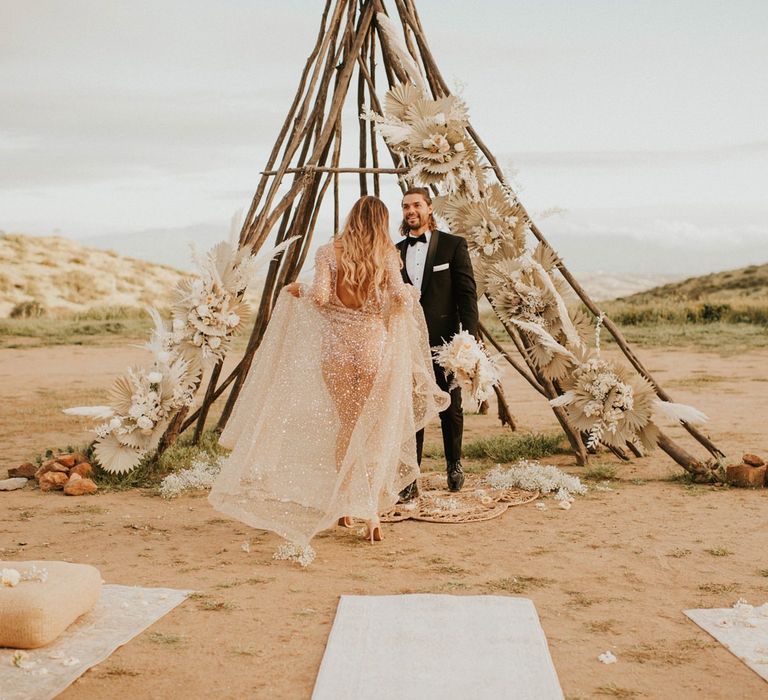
(516, 584)
(600, 472)
(450, 569)
(238, 651)
(612, 690)
(215, 605)
(82, 510)
(719, 552)
(118, 671)
(167, 639)
(602, 626)
(696, 381)
(719, 588)
(667, 653)
(578, 599)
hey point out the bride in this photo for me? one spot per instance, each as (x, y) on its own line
(324, 428)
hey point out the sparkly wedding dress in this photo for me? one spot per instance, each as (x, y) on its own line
(325, 424)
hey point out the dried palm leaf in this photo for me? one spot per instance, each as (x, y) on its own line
(391, 36)
(679, 412)
(121, 395)
(399, 98)
(90, 411)
(114, 457)
(542, 338)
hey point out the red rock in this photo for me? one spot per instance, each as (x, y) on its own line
(45, 467)
(53, 480)
(83, 469)
(752, 460)
(77, 486)
(66, 460)
(745, 475)
(27, 470)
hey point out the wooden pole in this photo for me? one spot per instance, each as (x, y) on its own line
(337, 170)
(505, 414)
(520, 369)
(207, 402)
(363, 128)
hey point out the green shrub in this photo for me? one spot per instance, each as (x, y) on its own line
(28, 309)
(507, 448)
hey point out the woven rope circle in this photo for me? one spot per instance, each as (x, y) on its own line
(474, 503)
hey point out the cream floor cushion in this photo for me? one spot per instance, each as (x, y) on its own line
(34, 613)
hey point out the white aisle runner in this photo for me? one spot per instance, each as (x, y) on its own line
(436, 646)
(743, 632)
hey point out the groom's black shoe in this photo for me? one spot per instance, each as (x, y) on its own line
(409, 493)
(455, 476)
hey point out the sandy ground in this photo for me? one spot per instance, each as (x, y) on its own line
(614, 572)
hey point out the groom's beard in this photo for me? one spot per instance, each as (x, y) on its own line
(415, 224)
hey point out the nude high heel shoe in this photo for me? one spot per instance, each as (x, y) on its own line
(374, 531)
(346, 521)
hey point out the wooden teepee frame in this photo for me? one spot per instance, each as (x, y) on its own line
(305, 162)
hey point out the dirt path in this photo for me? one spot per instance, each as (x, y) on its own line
(614, 572)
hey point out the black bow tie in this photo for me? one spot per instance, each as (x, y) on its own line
(413, 240)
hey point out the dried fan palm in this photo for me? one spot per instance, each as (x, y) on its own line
(487, 223)
(115, 457)
(449, 111)
(399, 99)
(610, 403)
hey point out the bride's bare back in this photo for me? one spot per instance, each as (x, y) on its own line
(344, 293)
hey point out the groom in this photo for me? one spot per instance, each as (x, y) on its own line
(438, 264)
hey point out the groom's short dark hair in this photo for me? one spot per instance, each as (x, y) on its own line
(424, 192)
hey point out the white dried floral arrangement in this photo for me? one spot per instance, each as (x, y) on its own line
(208, 310)
(530, 475)
(198, 477)
(612, 404)
(464, 358)
(289, 551)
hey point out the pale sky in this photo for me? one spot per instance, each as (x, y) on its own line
(645, 122)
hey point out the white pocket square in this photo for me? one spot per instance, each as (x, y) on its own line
(444, 266)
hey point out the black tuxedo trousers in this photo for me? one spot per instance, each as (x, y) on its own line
(449, 300)
(451, 421)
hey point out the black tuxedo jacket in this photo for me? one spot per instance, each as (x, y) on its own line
(448, 290)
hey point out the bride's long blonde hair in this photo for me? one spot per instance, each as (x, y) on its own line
(365, 245)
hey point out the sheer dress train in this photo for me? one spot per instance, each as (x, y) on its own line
(325, 424)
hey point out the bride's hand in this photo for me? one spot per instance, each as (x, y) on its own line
(294, 289)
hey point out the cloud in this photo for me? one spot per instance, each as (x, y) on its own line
(625, 158)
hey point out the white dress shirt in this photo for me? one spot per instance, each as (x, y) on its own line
(416, 259)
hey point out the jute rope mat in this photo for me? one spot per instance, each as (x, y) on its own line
(475, 502)
(436, 647)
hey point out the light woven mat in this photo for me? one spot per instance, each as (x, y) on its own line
(120, 614)
(436, 647)
(744, 635)
(475, 502)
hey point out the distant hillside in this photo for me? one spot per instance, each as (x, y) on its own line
(64, 277)
(747, 285)
(609, 285)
